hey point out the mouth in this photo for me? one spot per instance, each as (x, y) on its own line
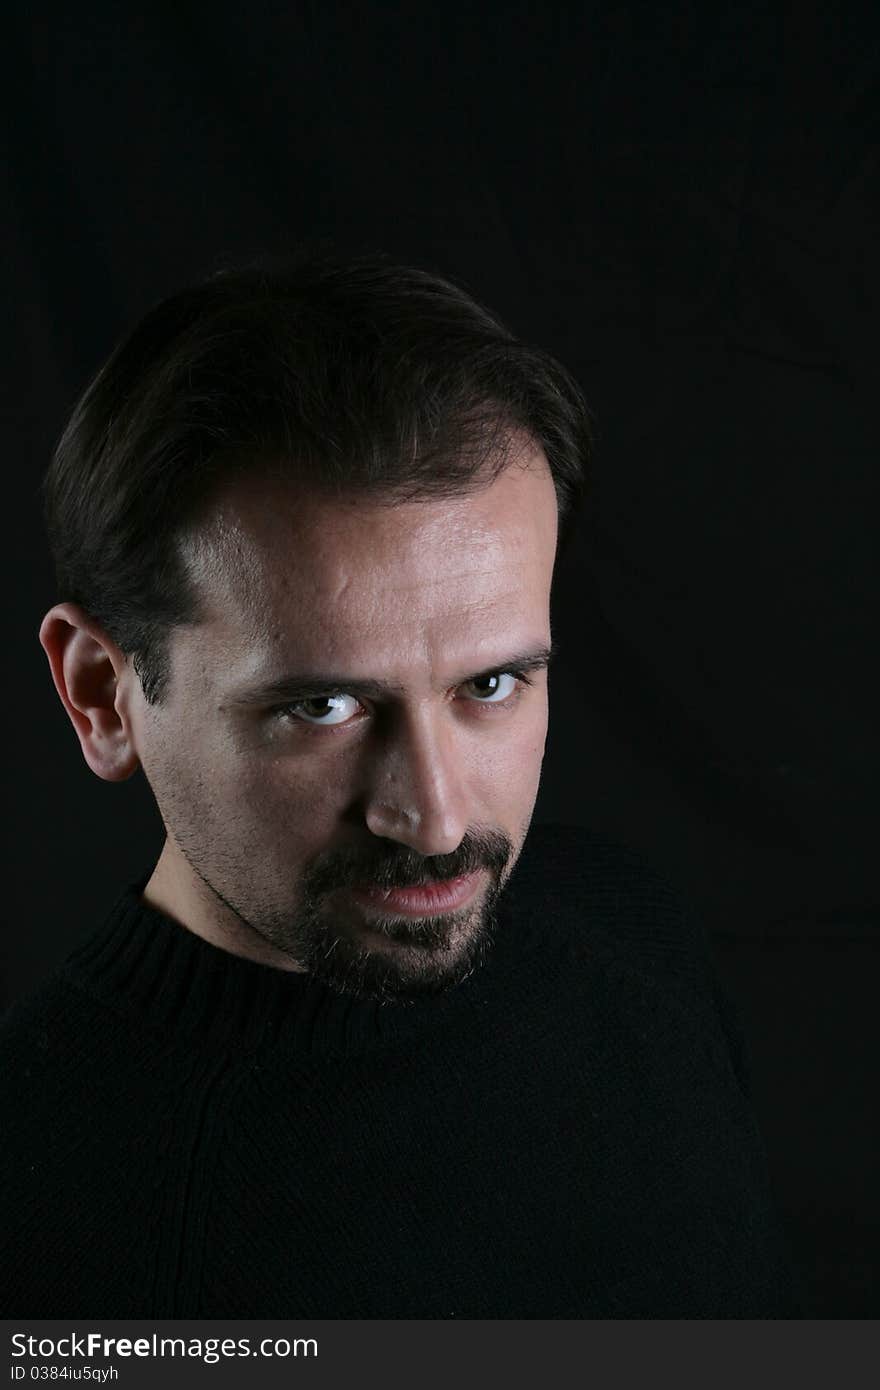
(425, 900)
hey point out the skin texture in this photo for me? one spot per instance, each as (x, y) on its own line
(269, 818)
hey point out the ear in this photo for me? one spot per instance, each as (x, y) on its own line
(88, 669)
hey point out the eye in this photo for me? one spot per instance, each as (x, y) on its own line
(493, 689)
(322, 709)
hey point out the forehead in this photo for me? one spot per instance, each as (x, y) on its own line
(293, 578)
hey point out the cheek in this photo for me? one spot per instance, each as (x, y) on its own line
(529, 752)
(284, 815)
(295, 791)
(508, 763)
(531, 732)
(531, 745)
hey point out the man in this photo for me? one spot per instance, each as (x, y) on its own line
(361, 1044)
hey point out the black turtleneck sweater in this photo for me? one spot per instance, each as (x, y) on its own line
(567, 1134)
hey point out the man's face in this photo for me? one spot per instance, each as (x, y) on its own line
(399, 755)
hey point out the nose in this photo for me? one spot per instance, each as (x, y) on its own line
(417, 794)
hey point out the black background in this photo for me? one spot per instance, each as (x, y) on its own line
(681, 202)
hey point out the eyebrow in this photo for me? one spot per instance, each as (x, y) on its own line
(310, 684)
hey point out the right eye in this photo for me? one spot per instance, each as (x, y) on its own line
(321, 709)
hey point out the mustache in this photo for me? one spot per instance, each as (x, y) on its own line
(405, 867)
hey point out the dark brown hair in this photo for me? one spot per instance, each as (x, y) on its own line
(342, 373)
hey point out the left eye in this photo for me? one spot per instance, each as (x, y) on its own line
(491, 690)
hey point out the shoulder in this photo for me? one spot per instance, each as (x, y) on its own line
(28, 1021)
(611, 903)
(600, 885)
(45, 1030)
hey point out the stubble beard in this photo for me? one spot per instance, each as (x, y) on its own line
(387, 958)
(423, 957)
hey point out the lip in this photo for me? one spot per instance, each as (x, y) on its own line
(426, 900)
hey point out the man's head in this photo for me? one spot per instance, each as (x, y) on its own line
(305, 529)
